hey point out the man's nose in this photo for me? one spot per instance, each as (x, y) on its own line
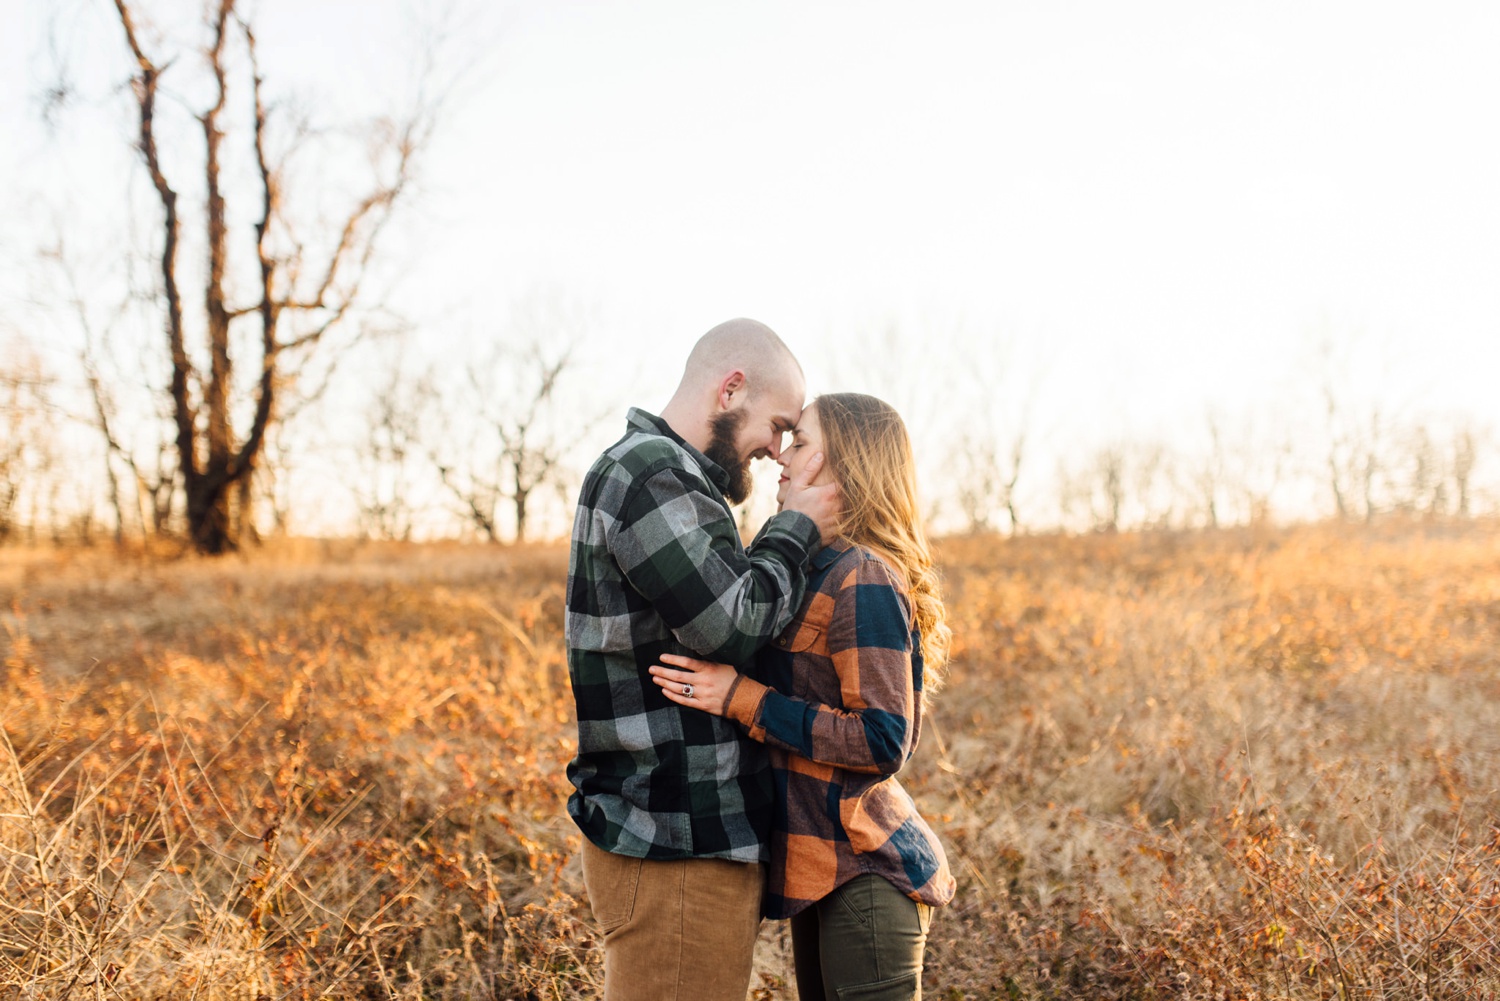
(775, 449)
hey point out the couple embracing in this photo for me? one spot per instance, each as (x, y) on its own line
(743, 711)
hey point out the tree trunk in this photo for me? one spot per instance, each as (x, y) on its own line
(1341, 506)
(521, 498)
(209, 523)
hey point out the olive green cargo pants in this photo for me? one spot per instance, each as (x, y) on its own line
(862, 942)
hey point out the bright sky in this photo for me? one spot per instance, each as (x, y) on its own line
(1157, 206)
(1175, 194)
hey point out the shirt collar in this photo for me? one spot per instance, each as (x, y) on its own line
(823, 558)
(641, 420)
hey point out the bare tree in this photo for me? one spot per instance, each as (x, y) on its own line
(393, 443)
(518, 447)
(994, 424)
(1362, 439)
(1423, 489)
(1209, 477)
(1153, 483)
(1340, 461)
(1261, 465)
(1122, 485)
(260, 323)
(987, 478)
(499, 435)
(26, 442)
(1370, 462)
(273, 477)
(1464, 454)
(1109, 467)
(1095, 491)
(977, 462)
(149, 471)
(1008, 487)
(1437, 476)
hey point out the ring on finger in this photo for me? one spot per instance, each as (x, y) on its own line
(687, 691)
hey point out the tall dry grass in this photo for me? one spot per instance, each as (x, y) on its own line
(1226, 765)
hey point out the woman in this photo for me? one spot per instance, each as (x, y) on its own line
(837, 699)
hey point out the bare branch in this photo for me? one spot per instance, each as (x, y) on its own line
(269, 310)
(145, 92)
(220, 365)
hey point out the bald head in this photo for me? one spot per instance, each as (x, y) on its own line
(740, 392)
(747, 346)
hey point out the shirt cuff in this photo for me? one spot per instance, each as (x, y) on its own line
(743, 703)
(797, 528)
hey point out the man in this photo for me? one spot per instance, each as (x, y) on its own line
(675, 805)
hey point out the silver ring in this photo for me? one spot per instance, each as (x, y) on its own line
(687, 691)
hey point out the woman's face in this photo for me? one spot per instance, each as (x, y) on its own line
(807, 441)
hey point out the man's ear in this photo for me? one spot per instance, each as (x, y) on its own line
(732, 385)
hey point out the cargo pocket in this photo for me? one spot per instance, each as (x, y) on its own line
(900, 989)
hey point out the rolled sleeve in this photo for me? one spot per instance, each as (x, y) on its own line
(744, 702)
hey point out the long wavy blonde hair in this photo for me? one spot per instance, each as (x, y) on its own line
(869, 455)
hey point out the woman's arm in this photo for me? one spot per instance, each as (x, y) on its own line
(869, 640)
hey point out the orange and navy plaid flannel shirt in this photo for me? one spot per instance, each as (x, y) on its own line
(837, 700)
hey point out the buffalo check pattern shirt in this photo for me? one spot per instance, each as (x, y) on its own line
(657, 566)
(838, 704)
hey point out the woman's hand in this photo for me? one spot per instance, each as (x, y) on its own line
(698, 684)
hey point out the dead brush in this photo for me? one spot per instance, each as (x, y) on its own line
(291, 788)
(97, 891)
(1109, 702)
(341, 775)
(1277, 915)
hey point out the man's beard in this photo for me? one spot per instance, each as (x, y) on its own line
(723, 449)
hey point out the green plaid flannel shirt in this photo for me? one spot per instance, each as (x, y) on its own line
(657, 567)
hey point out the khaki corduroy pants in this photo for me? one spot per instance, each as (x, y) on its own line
(682, 930)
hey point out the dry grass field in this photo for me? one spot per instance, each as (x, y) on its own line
(1215, 765)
